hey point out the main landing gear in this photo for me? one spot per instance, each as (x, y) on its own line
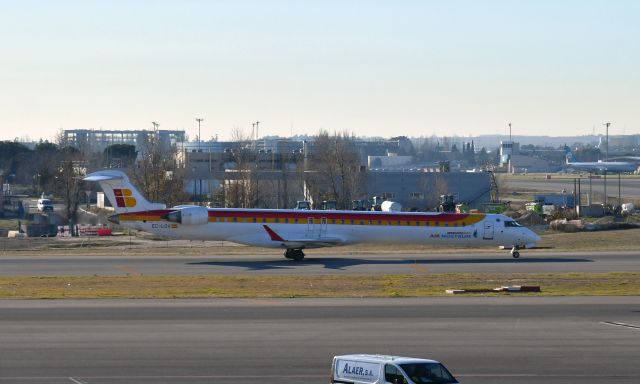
(514, 252)
(294, 254)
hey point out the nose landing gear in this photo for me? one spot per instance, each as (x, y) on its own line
(294, 254)
(514, 252)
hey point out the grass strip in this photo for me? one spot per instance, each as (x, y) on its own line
(410, 285)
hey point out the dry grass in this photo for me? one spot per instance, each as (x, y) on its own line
(619, 240)
(420, 285)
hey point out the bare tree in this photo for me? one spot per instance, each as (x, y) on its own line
(157, 173)
(335, 169)
(72, 168)
(244, 191)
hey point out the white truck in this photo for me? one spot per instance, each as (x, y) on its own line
(383, 369)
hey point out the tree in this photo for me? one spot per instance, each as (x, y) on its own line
(335, 169)
(243, 191)
(13, 156)
(69, 183)
(46, 161)
(157, 173)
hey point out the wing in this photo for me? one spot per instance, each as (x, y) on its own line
(315, 242)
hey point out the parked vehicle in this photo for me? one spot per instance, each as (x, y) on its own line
(45, 205)
(382, 369)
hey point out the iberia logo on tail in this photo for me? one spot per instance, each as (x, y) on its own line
(124, 198)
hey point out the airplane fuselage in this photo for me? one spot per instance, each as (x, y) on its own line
(311, 229)
(608, 166)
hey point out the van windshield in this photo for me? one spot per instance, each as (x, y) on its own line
(421, 373)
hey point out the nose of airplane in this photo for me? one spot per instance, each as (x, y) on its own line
(531, 238)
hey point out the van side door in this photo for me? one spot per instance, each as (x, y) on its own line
(393, 375)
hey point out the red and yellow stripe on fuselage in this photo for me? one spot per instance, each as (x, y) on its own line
(329, 217)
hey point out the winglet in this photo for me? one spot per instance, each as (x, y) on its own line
(272, 234)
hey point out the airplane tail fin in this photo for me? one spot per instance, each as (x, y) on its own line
(570, 158)
(122, 195)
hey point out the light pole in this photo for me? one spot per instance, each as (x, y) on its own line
(199, 120)
(606, 148)
(606, 158)
(193, 174)
(257, 136)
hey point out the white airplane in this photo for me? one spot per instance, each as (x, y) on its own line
(599, 166)
(296, 230)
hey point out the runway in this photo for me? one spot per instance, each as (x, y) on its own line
(321, 263)
(482, 340)
(629, 187)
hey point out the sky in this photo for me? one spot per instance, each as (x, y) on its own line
(371, 68)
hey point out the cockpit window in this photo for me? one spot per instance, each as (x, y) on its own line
(512, 223)
(422, 373)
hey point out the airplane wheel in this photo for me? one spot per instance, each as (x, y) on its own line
(294, 254)
(298, 255)
(515, 254)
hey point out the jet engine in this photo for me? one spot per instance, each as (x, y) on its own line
(194, 215)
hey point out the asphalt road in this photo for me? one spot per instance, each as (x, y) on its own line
(482, 340)
(531, 261)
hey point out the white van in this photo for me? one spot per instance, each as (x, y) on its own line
(382, 369)
(45, 205)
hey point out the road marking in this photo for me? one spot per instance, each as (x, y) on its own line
(616, 324)
(77, 381)
(129, 271)
(419, 267)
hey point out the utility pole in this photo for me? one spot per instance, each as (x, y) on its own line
(606, 156)
(199, 120)
(257, 136)
(253, 135)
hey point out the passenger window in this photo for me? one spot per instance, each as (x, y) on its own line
(392, 375)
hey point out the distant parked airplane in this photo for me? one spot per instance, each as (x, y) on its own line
(295, 230)
(598, 166)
